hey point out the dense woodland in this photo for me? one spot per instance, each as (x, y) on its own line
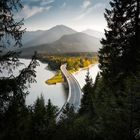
(73, 62)
(110, 108)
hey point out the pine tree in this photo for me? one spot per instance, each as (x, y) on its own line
(87, 106)
(119, 62)
(51, 111)
(131, 51)
(43, 119)
(119, 55)
(12, 88)
(10, 31)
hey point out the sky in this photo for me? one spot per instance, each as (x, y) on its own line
(77, 14)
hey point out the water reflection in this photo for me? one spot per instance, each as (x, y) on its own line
(81, 75)
(56, 93)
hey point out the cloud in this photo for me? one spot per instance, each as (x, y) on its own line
(83, 14)
(38, 3)
(44, 2)
(99, 6)
(33, 7)
(86, 4)
(28, 12)
(86, 9)
(96, 9)
(63, 5)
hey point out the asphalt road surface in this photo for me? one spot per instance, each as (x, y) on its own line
(75, 93)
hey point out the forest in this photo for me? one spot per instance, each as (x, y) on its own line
(110, 108)
(74, 63)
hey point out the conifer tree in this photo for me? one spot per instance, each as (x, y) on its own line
(119, 61)
(12, 88)
(11, 31)
(43, 119)
(119, 55)
(87, 102)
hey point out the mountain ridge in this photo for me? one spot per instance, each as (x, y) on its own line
(73, 43)
(94, 33)
(51, 35)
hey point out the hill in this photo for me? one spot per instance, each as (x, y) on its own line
(73, 43)
(49, 36)
(94, 33)
(28, 36)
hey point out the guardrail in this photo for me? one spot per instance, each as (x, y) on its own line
(69, 93)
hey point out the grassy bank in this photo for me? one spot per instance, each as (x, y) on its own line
(73, 65)
(58, 78)
(55, 79)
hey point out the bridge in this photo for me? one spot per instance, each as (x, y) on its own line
(75, 93)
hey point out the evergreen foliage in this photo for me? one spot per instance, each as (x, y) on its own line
(42, 119)
(119, 63)
(87, 99)
(110, 108)
(120, 53)
(12, 88)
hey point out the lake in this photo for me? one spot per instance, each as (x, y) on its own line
(81, 74)
(54, 92)
(57, 92)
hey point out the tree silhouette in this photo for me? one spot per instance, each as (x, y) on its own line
(119, 55)
(10, 30)
(43, 119)
(87, 106)
(119, 59)
(12, 88)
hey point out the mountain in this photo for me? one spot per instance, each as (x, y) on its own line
(31, 35)
(94, 33)
(49, 36)
(73, 43)
(78, 42)
(27, 36)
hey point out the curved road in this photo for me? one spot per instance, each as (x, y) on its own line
(75, 92)
(74, 97)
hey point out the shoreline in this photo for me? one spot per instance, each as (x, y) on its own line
(85, 68)
(57, 78)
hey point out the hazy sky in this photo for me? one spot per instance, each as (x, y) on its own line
(77, 14)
